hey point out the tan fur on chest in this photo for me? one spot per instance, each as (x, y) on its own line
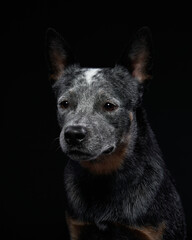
(75, 227)
(139, 233)
(148, 232)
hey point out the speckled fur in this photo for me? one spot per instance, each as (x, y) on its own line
(135, 199)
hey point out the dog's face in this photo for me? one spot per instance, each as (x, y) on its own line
(94, 110)
(96, 106)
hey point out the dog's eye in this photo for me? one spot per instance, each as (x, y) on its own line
(109, 107)
(64, 104)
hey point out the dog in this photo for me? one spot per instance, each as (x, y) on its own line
(116, 183)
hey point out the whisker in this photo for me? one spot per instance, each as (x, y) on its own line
(58, 148)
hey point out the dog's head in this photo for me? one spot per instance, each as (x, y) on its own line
(96, 107)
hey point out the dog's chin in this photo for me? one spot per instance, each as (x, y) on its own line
(79, 155)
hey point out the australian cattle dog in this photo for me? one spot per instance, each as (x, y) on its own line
(116, 183)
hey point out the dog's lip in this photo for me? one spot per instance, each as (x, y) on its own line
(78, 155)
(108, 150)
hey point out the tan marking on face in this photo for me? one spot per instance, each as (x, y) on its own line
(149, 232)
(53, 78)
(58, 62)
(107, 164)
(131, 116)
(75, 227)
(139, 65)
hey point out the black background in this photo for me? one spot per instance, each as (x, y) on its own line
(32, 162)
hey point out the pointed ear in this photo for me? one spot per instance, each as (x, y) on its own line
(59, 54)
(138, 56)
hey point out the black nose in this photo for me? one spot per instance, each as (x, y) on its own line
(75, 134)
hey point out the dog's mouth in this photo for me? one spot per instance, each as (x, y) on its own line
(79, 155)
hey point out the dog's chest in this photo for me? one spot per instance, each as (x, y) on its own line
(94, 199)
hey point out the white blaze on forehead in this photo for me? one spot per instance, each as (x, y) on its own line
(90, 73)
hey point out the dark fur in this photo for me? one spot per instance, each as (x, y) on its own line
(136, 199)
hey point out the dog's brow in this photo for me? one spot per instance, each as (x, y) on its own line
(90, 73)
